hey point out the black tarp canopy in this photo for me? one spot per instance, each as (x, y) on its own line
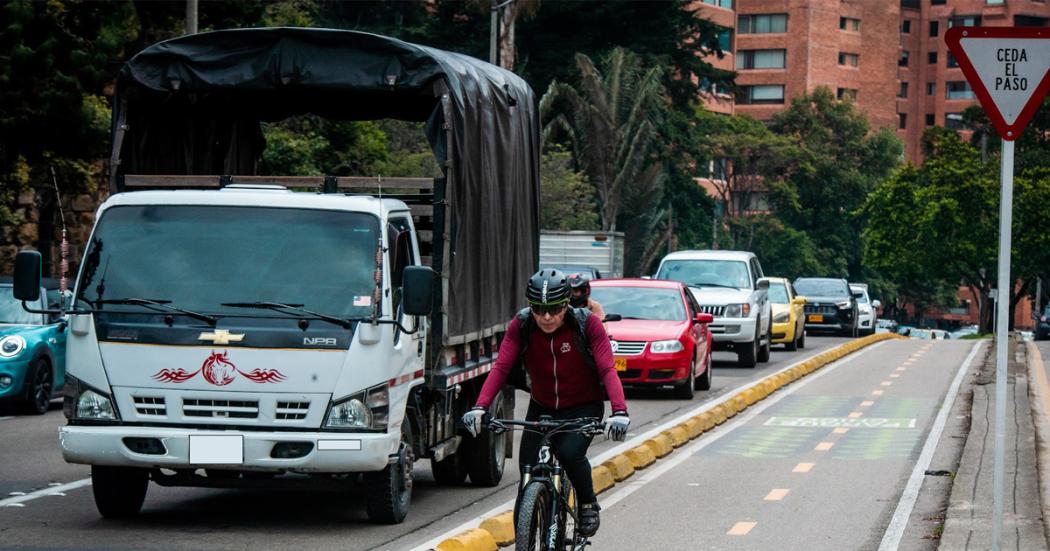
(194, 104)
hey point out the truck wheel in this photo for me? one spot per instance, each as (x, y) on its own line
(389, 491)
(119, 491)
(763, 350)
(452, 470)
(746, 357)
(488, 452)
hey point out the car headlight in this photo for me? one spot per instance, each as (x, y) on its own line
(666, 347)
(366, 410)
(738, 310)
(11, 346)
(843, 305)
(782, 317)
(865, 310)
(95, 406)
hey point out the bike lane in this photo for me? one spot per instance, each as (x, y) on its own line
(821, 466)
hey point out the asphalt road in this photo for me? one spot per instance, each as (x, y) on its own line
(821, 466)
(207, 519)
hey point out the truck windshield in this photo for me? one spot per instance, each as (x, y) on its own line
(198, 257)
(698, 273)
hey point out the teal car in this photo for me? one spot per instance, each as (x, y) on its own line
(32, 350)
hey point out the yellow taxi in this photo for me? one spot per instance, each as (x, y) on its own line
(788, 320)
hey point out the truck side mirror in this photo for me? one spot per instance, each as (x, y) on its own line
(417, 284)
(763, 284)
(27, 276)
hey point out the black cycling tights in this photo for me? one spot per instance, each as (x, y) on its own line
(571, 449)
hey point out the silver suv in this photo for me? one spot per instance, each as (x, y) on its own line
(727, 286)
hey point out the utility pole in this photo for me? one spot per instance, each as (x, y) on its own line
(494, 33)
(191, 16)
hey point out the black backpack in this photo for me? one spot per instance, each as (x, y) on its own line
(577, 321)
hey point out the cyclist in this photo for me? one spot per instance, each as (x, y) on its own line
(580, 286)
(568, 361)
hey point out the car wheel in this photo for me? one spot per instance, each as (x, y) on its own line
(38, 387)
(792, 345)
(685, 390)
(703, 382)
(802, 339)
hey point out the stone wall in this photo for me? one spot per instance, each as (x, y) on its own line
(79, 213)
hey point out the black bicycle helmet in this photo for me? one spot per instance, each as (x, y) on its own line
(583, 283)
(548, 286)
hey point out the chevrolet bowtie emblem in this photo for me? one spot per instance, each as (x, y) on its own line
(220, 336)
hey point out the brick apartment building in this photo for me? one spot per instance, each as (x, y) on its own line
(888, 56)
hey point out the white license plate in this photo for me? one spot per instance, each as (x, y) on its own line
(216, 449)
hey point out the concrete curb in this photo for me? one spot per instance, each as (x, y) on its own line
(1039, 396)
(623, 466)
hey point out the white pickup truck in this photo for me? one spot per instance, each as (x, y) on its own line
(228, 331)
(729, 286)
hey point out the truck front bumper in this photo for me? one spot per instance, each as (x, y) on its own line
(330, 452)
(732, 330)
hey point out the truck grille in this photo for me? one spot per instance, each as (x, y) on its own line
(291, 411)
(628, 348)
(715, 311)
(150, 405)
(232, 409)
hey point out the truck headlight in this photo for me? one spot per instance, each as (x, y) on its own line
(365, 410)
(95, 406)
(11, 346)
(782, 317)
(738, 310)
(843, 305)
(666, 347)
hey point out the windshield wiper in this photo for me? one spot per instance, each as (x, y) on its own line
(713, 285)
(161, 304)
(278, 306)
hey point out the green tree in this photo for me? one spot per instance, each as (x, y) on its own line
(566, 197)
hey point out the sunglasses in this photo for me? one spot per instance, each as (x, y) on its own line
(552, 309)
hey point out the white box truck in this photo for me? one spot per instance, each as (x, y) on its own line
(228, 331)
(596, 252)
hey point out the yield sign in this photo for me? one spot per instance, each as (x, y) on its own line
(1007, 67)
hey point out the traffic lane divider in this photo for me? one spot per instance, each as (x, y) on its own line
(623, 466)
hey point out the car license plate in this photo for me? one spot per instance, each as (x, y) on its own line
(620, 364)
(816, 318)
(216, 449)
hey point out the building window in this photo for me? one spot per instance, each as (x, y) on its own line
(954, 121)
(935, 28)
(951, 60)
(903, 61)
(964, 21)
(931, 57)
(760, 59)
(931, 119)
(728, 4)
(903, 122)
(995, 2)
(765, 23)
(958, 89)
(937, 2)
(906, 26)
(931, 88)
(849, 24)
(903, 92)
(761, 94)
(849, 60)
(846, 94)
(1029, 21)
(725, 40)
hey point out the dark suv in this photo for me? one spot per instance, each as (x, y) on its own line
(829, 305)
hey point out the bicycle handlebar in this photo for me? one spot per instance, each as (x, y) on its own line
(587, 425)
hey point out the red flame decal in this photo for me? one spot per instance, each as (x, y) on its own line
(174, 375)
(219, 371)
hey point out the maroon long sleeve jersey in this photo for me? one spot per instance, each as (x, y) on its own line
(559, 373)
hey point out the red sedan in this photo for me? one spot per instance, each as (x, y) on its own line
(661, 339)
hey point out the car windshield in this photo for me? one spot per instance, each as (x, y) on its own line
(718, 273)
(645, 303)
(863, 298)
(198, 257)
(821, 288)
(11, 310)
(778, 293)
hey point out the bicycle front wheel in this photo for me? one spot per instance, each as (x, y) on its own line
(532, 527)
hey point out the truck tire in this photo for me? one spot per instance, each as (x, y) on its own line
(764, 349)
(488, 453)
(119, 491)
(452, 470)
(747, 357)
(389, 491)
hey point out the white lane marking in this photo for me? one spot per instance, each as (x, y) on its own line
(895, 531)
(684, 453)
(707, 406)
(50, 491)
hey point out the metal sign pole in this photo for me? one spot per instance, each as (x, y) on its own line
(1002, 323)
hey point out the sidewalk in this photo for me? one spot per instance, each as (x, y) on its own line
(968, 523)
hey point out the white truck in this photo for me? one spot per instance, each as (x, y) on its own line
(596, 253)
(230, 332)
(729, 286)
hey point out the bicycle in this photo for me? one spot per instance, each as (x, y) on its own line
(546, 511)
